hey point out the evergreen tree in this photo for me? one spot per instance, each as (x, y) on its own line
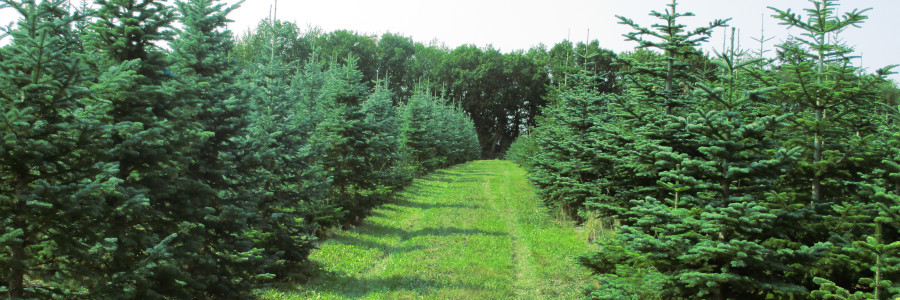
(820, 74)
(828, 100)
(283, 166)
(699, 226)
(678, 44)
(53, 188)
(419, 133)
(154, 134)
(342, 137)
(656, 96)
(434, 134)
(221, 257)
(571, 163)
(382, 125)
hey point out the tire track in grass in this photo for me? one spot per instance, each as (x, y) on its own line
(525, 285)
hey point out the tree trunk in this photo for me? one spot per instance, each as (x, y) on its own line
(17, 247)
(17, 272)
(669, 67)
(878, 262)
(818, 142)
(817, 156)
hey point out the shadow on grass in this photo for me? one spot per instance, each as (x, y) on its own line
(385, 239)
(404, 234)
(349, 286)
(382, 247)
(448, 176)
(321, 280)
(404, 202)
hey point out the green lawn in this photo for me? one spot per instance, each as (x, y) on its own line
(475, 231)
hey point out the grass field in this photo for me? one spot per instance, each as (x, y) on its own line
(475, 231)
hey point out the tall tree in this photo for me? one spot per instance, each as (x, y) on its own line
(53, 187)
(395, 55)
(284, 167)
(677, 44)
(272, 39)
(220, 255)
(821, 72)
(154, 134)
(382, 125)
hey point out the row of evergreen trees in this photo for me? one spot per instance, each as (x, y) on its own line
(740, 177)
(502, 91)
(139, 159)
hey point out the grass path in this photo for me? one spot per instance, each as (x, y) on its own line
(475, 231)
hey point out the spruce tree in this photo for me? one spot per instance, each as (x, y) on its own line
(434, 134)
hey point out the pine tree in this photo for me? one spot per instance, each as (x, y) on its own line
(53, 188)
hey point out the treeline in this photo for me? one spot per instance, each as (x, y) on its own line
(732, 176)
(502, 92)
(140, 159)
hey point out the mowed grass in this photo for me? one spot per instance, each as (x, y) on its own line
(475, 231)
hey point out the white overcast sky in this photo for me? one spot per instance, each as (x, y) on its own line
(511, 25)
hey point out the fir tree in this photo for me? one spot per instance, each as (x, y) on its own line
(53, 188)
(382, 125)
(569, 169)
(820, 76)
(655, 97)
(154, 132)
(221, 257)
(342, 137)
(283, 166)
(419, 133)
(677, 43)
(829, 101)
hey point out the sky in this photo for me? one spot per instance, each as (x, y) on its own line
(521, 24)
(512, 25)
